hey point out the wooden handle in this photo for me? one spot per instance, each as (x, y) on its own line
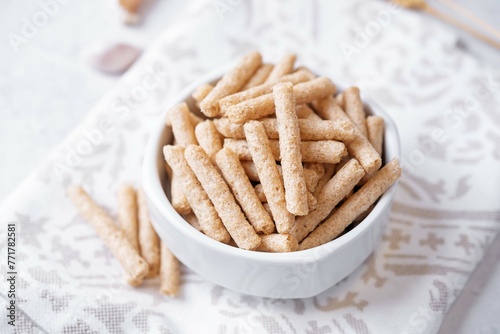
(428, 9)
(465, 12)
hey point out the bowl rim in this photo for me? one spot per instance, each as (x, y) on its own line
(156, 195)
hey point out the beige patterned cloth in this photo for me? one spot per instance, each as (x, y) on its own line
(446, 211)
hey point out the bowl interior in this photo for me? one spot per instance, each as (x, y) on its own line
(157, 186)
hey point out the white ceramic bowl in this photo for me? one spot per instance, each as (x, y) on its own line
(277, 275)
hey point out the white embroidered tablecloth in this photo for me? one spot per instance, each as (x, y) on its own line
(446, 211)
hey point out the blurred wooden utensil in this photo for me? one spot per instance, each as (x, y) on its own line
(422, 5)
(132, 9)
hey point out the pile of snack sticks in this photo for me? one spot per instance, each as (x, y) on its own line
(279, 161)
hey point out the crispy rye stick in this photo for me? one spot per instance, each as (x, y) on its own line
(278, 243)
(127, 214)
(360, 148)
(375, 128)
(209, 138)
(289, 145)
(259, 77)
(325, 151)
(198, 199)
(262, 106)
(134, 265)
(170, 275)
(310, 174)
(148, 239)
(268, 175)
(283, 67)
(231, 100)
(327, 175)
(355, 205)
(331, 194)
(201, 92)
(179, 200)
(182, 126)
(259, 191)
(310, 130)
(183, 130)
(230, 83)
(236, 178)
(223, 200)
(318, 168)
(354, 108)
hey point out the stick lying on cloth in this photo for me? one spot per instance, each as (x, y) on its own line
(125, 251)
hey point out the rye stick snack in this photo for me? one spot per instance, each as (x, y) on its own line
(340, 100)
(360, 148)
(178, 199)
(312, 203)
(114, 238)
(127, 214)
(201, 92)
(194, 119)
(355, 205)
(278, 243)
(317, 167)
(310, 130)
(330, 170)
(305, 112)
(310, 173)
(354, 108)
(331, 194)
(311, 200)
(198, 199)
(231, 83)
(262, 106)
(321, 151)
(243, 191)
(313, 117)
(250, 170)
(311, 177)
(308, 70)
(268, 174)
(170, 274)
(149, 242)
(183, 131)
(268, 209)
(182, 126)
(223, 200)
(259, 77)
(283, 67)
(259, 191)
(209, 138)
(263, 89)
(375, 129)
(193, 221)
(289, 145)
